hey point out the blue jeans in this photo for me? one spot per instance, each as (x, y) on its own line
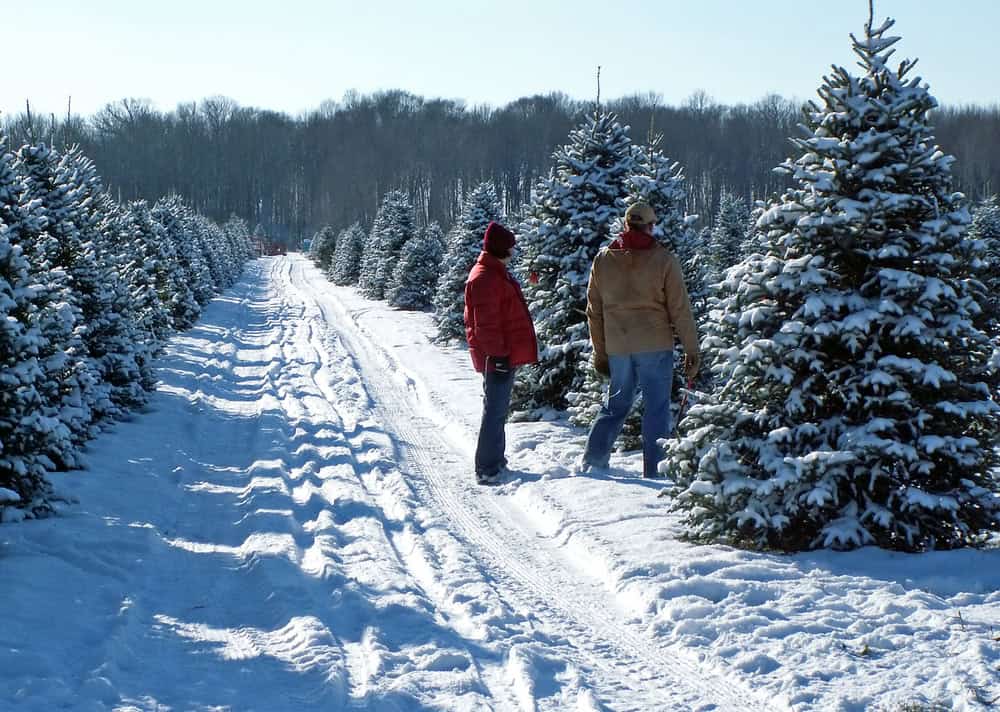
(652, 373)
(492, 443)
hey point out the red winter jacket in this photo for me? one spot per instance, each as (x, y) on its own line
(497, 321)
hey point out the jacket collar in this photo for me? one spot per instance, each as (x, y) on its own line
(489, 261)
(633, 240)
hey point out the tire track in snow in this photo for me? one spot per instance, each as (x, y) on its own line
(198, 601)
(315, 399)
(631, 670)
(410, 538)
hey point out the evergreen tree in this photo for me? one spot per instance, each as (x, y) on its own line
(71, 252)
(756, 237)
(567, 224)
(658, 181)
(415, 277)
(53, 314)
(985, 230)
(855, 404)
(346, 263)
(183, 229)
(23, 427)
(237, 232)
(322, 247)
(207, 236)
(183, 264)
(201, 258)
(137, 237)
(464, 243)
(725, 243)
(109, 336)
(394, 224)
(226, 252)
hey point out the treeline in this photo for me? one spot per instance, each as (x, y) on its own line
(90, 289)
(293, 175)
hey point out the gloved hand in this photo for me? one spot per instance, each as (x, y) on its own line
(601, 365)
(691, 364)
(498, 364)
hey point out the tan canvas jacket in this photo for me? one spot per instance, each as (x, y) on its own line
(636, 301)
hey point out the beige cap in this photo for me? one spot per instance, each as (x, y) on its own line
(640, 214)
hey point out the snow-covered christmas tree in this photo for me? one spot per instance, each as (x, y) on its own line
(136, 237)
(985, 230)
(103, 299)
(394, 224)
(24, 488)
(322, 247)
(178, 220)
(72, 252)
(725, 244)
(54, 315)
(345, 266)
(569, 221)
(658, 181)
(237, 232)
(465, 242)
(415, 278)
(184, 264)
(855, 405)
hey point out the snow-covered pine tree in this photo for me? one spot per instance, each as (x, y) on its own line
(756, 237)
(395, 223)
(135, 299)
(24, 430)
(346, 263)
(415, 277)
(660, 182)
(322, 247)
(137, 237)
(985, 230)
(226, 252)
(67, 387)
(182, 263)
(206, 235)
(48, 182)
(567, 224)
(855, 405)
(726, 240)
(199, 253)
(434, 231)
(237, 232)
(464, 243)
(179, 219)
(108, 336)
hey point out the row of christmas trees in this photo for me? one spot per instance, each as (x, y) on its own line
(849, 326)
(89, 291)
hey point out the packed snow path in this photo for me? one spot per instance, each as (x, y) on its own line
(293, 525)
(323, 546)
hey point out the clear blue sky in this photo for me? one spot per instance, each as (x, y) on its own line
(291, 55)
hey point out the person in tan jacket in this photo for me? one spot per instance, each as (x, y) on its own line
(636, 302)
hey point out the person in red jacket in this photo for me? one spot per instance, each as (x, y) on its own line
(501, 337)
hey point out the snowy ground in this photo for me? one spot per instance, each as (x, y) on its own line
(293, 525)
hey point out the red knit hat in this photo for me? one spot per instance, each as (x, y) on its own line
(498, 240)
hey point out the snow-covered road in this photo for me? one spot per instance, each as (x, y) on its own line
(294, 525)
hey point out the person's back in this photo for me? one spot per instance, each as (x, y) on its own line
(642, 298)
(636, 301)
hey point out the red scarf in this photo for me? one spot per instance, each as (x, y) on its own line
(633, 240)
